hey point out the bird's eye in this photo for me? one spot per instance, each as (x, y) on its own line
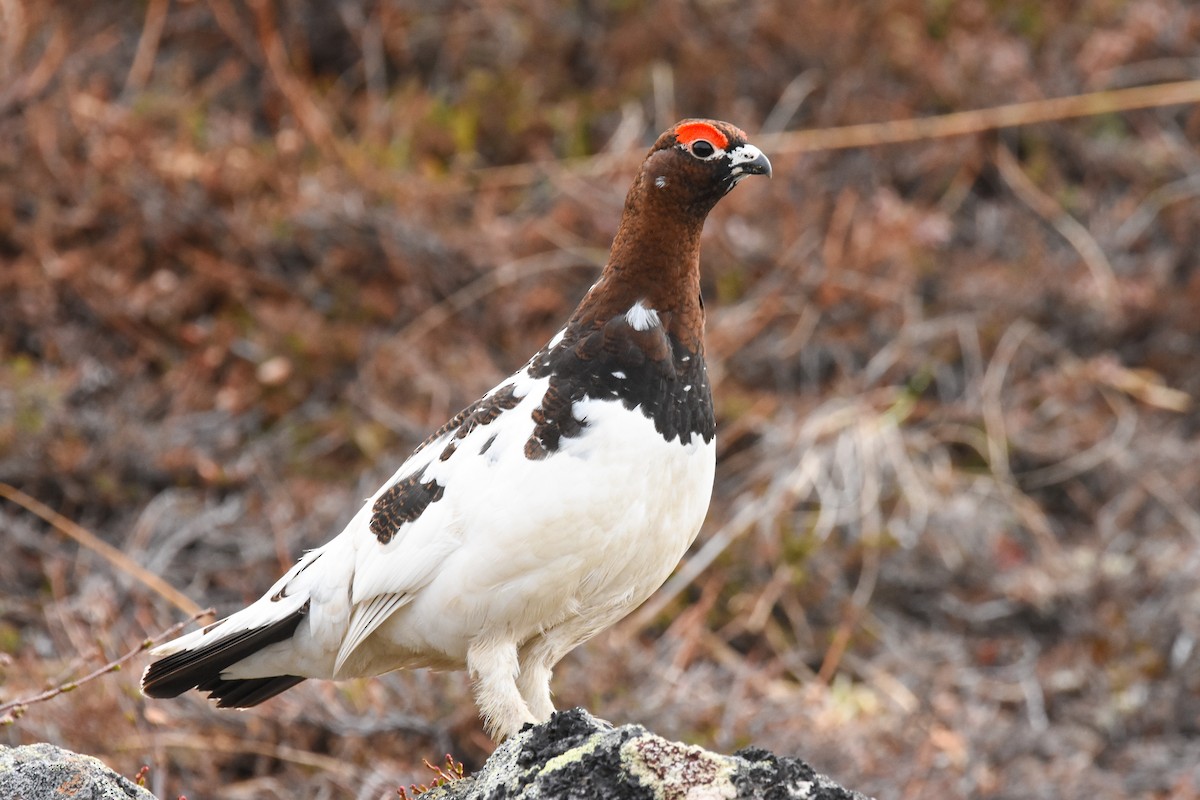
(702, 149)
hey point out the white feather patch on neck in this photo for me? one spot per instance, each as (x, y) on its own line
(641, 318)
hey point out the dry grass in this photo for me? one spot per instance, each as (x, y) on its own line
(250, 255)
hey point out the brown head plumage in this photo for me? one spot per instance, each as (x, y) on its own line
(655, 255)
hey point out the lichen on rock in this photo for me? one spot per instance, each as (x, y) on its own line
(574, 755)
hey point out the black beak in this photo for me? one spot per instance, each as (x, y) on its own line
(746, 160)
(759, 166)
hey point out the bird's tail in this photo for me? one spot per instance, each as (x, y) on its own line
(197, 660)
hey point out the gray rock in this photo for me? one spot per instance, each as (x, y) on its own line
(38, 771)
(573, 756)
(576, 756)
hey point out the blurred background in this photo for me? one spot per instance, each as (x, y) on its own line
(251, 253)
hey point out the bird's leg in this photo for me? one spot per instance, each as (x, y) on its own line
(533, 680)
(494, 668)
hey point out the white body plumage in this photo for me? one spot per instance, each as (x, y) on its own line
(519, 561)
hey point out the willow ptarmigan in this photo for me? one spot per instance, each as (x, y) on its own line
(537, 516)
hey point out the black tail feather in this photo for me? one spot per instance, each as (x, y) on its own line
(201, 668)
(248, 692)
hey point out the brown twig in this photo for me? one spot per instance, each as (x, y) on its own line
(867, 579)
(1071, 229)
(442, 775)
(27, 86)
(102, 548)
(309, 117)
(237, 746)
(147, 49)
(226, 16)
(1139, 221)
(961, 123)
(11, 711)
(874, 134)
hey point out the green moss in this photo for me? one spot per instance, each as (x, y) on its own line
(373, 439)
(10, 638)
(1109, 126)
(731, 285)
(937, 18)
(1025, 17)
(797, 548)
(459, 121)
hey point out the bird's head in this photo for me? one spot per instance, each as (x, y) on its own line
(696, 162)
(655, 256)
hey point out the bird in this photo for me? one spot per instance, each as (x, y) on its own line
(537, 516)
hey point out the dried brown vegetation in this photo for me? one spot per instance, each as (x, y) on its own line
(250, 255)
